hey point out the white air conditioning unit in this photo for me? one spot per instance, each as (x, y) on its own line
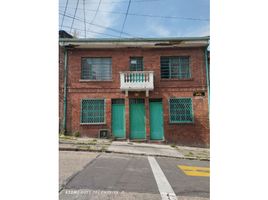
(104, 133)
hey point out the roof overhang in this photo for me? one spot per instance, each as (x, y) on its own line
(134, 43)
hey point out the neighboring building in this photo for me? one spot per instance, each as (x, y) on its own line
(64, 34)
(137, 89)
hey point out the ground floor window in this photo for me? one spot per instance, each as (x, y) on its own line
(180, 110)
(93, 111)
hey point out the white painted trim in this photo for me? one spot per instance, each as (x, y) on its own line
(128, 82)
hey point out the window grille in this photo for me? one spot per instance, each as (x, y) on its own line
(136, 101)
(155, 100)
(92, 111)
(118, 101)
(136, 64)
(175, 67)
(180, 110)
(96, 69)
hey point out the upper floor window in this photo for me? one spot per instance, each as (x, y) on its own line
(136, 64)
(175, 67)
(96, 69)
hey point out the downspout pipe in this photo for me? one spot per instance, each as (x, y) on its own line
(65, 89)
(207, 77)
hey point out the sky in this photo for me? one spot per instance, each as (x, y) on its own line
(146, 18)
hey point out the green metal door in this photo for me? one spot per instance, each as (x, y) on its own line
(137, 119)
(118, 118)
(156, 120)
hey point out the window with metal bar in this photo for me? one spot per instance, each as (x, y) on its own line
(155, 100)
(93, 111)
(96, 69)
(118, 101)
(175, 67)
(180, 110)
(136, 101)
(136, 64)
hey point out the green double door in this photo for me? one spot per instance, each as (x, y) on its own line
(118, 118)
(137, 119)
(156, 120)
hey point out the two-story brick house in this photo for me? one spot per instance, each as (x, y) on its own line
(138, 89)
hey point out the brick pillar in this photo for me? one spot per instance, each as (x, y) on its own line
(69, 115)
(109, 114)
(127, 117)
(167, 134)
(147, 121)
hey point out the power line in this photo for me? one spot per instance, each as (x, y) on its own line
(148, 15)
(129, 2)
(89, 31)
(133, 1)
(96, 12)
(105, 27)
(64, 12)
(85, 18)
(171, 17)
(74, 14)
(123, 1)
(137, 1)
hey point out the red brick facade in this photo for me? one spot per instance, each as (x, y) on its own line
(194, 134)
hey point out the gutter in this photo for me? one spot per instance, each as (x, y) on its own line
(206, 38)
(207, 77)
(65, 88)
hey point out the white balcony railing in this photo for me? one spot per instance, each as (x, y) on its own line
(137, 80)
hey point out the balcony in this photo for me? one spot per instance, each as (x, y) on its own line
(137, 81)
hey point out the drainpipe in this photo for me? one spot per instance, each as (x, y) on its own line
(65, 89)
(207, 75)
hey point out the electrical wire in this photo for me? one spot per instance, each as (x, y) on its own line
(89, 31)
(85, 26)
(74, 15)
(104, 27)
(129, 2)
(66, 5)
(148, 15)
(96, 12)
(126, 1)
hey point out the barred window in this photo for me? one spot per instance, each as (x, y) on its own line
(180, 110)
(136, 64)
(96, 69)
(93, 111)
(175, 67)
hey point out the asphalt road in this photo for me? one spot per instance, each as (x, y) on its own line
(116, 176)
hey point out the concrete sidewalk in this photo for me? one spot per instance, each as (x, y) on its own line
(144, 149)
(69, 143)
(136, 148)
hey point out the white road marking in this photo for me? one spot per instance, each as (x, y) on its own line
(163, 185)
